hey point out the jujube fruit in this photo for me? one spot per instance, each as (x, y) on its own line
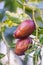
(22, 45)
(26, 28)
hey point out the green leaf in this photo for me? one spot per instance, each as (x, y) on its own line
(40, 31)
(12, 45)
(39, 18)
(11, 5)
(36, 55)
(29, 50)
(41, 38)
(1, 63)
(14, 19)
(1, 55)
(19, 4)
(33, 48)
(37, 52)
(35, 59)
(25, 59)
(28, 11)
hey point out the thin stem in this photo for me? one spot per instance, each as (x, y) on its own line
(8, 52)
(35, 24)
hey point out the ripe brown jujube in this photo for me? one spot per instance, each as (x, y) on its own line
(26, 28)
(22, 45)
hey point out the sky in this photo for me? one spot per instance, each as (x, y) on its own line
(1, 5)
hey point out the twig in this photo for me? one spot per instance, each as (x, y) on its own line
(8, 51)
(35, 24)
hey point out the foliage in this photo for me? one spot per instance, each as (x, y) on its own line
(41, 38)
(9, 23)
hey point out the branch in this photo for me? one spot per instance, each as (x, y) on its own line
(8, 50)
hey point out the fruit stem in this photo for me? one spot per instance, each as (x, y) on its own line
(35, 24)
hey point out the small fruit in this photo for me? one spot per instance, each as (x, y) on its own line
(26, 28)
(22, 45)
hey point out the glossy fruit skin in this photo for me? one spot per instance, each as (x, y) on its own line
(26, 28)
(22, 45)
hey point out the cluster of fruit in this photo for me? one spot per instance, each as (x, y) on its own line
(22, 32)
